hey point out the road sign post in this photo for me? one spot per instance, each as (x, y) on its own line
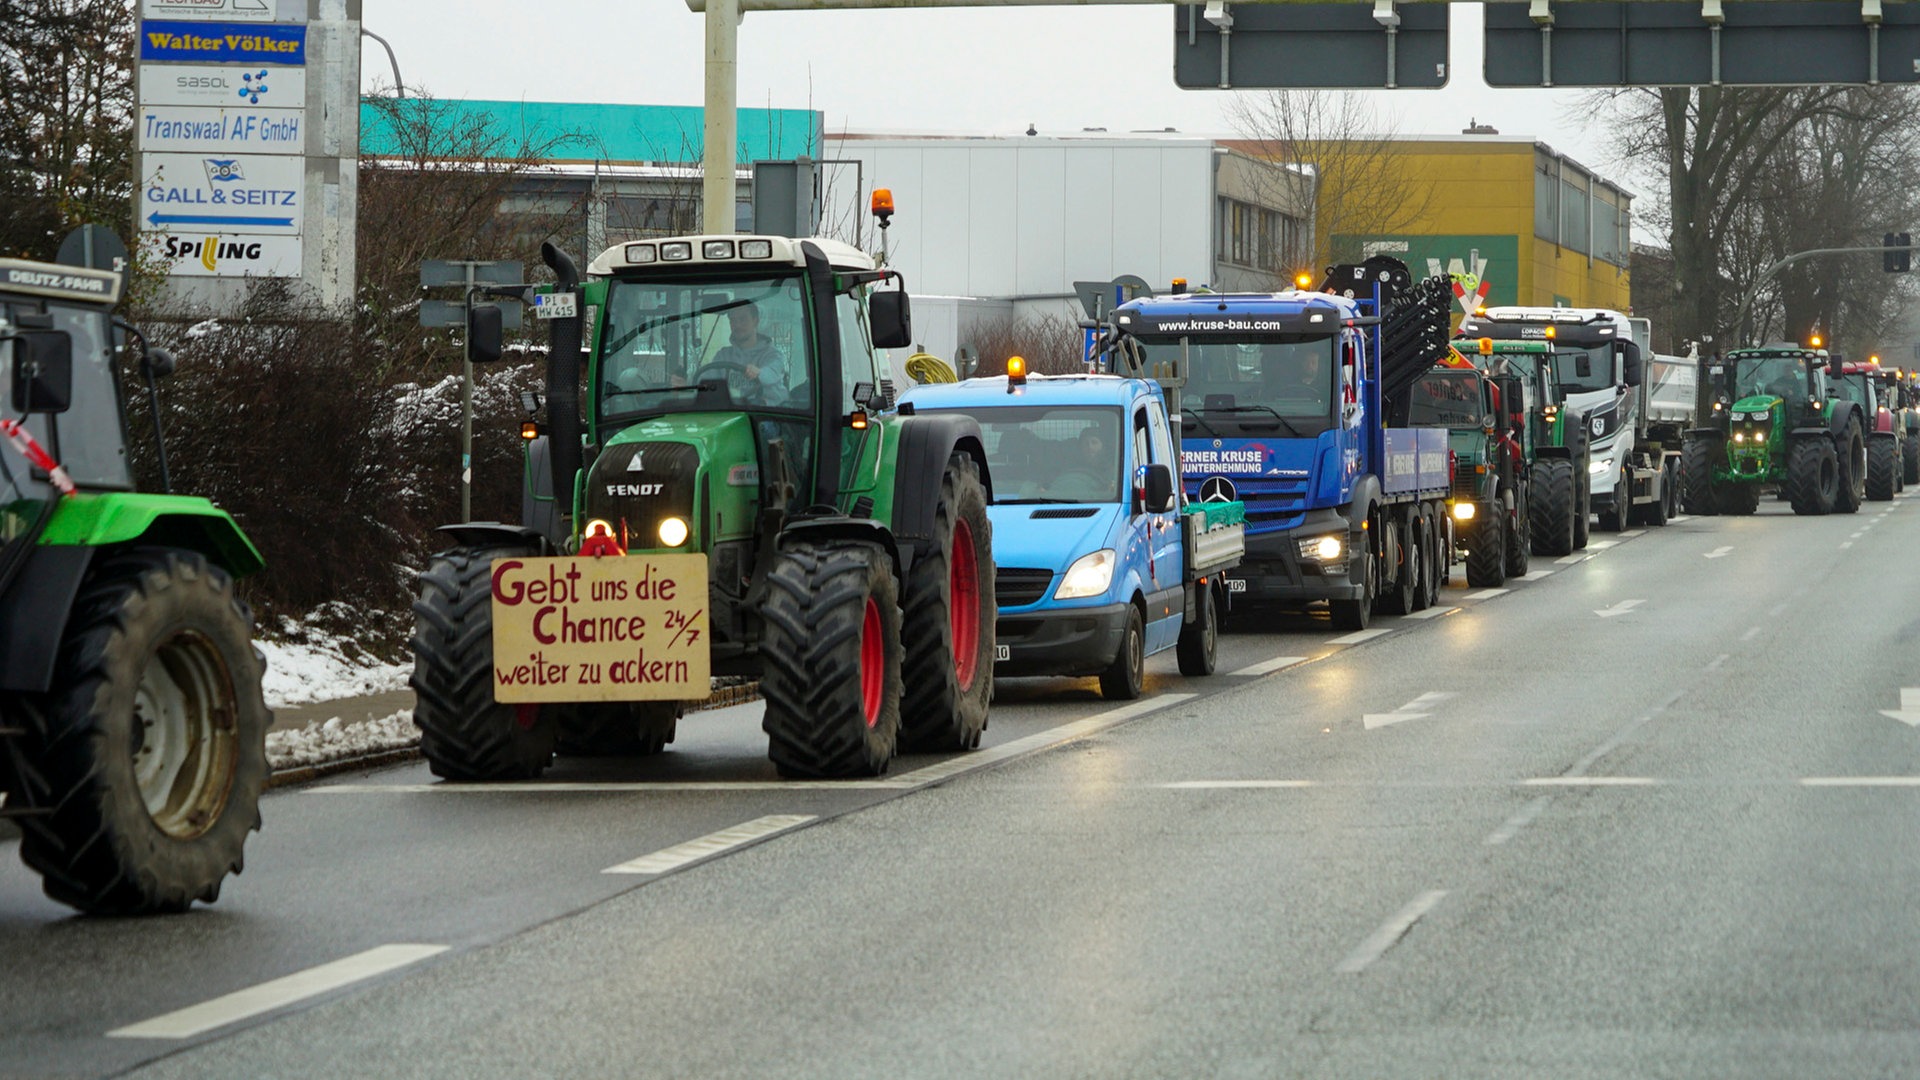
(471, 275)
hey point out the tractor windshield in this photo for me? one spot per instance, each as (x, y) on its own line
(1447, 399)
(662, 343)
(1281, 382)
(1783, 377)
(1856, 388)
(1038, 454)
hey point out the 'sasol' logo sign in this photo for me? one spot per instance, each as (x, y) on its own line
(223, 43)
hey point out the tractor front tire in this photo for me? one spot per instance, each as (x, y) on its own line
(1813, 476)
(1487, 552)
(148, 757)
(1883, 469)
(465, 734)
(832, 660)
(1551, 507)
(948, 619)
(1852, 451)
(1698, 456)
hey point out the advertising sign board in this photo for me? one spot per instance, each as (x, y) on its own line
(209, 84)
(176, 41)
(222, 10)
(250, 194)
(207, 254)
(201, 129)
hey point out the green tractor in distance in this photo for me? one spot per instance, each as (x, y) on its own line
(735, 417)
(1559, 483)
(1489, 501)
(1771, 416)
(132, 726)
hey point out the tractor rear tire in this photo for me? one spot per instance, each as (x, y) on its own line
(1883, 469)
(616, 728)
(1813, 476)
(1198, 649)
(1697, 459)
(1126, 676)
(1853, 471)
(1487, 553)
(1910, 458)
(950, 610)
(1551, 507)
(465, 734)
(832, 660)
(1519, 545)
(146, 761)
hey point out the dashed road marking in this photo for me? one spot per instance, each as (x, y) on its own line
(1486, 594)
(1570, 560)
(1860, 781)
(1859, 534)
(1536, 575)
(1432, 613)
(277, 993)
(1065, 733)
(1714, 664)
(1717, 553)
(1359, 636)
(1844, 546)
(1678, 518)
(1631, 533)
(679, 855)
(1390, 933)
(1777, 610)
(1521, 818)
(1751, 633)
(1267, 667)
(1601, 545)
(1624, 607)
(544, 787)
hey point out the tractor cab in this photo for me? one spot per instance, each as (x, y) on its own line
(1772, 385)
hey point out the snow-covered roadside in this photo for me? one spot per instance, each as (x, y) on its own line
(337, 740)
(319, 669)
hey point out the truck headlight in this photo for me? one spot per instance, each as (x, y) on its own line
(673, 532)
(1322, 548)
(1088, 576)
(1604, 465)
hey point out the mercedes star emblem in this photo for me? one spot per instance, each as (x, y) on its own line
(1218, 489)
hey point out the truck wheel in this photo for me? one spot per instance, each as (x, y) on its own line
(1615, 517)
(1910, 458)
(1813, 476)
(615, 728)
(1122, 681)
(1519, 547)
(1356, 614)
(1199, 643)
(1671, 490)
(1426, 583)
(1550, 507)
(1397, 598)
(1883, 469)
(1852, 489)
(464, 733)
(1655, 512)
(1439, 542)
(1583, 513)
(149, 755)
(1487, 553)
(832, 660)
(948, 616)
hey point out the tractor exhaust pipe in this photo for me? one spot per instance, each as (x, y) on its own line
(563, 382)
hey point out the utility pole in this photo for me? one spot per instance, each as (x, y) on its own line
(718, 190)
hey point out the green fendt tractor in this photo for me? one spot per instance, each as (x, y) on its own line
(132, 728)
(1554, 440)
(1772, 417)
(1489, 501)
(738, 432)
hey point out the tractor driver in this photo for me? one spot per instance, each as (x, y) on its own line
(756, 369)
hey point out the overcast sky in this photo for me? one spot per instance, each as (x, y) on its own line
(973, 71)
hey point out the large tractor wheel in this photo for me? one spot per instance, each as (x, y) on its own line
(1198, 648)
(832, 660)
(464, 733)
(1126, 676)
(948, 618)
(1813, 476)
(143, 767)
(1487, 551)
(1519, 546)
(1357, 613)
(1910, 458)
(1883, 469)
(615, 728)
(1698, 457)
(1852, 490)
(1550, 507)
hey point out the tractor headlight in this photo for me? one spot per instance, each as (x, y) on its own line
(673, 531)
(1739, 436)
(1463, 511)
(1322, 548)
(1088, 576)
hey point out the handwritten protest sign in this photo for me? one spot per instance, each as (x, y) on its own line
(620, 628)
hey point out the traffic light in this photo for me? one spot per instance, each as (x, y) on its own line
(1898, 257)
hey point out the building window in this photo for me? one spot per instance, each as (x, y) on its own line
(1257, 237)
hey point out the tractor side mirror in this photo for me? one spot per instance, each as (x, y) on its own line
(42, 371)
(1631, 367)
(1159, 485)
(485, 332)
(889, 320)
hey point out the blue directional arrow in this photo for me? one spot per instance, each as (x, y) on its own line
(216, 219)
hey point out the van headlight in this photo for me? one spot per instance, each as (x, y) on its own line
(1323, 548)
(1088, 576)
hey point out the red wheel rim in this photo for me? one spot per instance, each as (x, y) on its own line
(963, 606)
(873, 664)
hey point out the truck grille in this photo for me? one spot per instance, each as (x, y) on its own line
(1015, 587)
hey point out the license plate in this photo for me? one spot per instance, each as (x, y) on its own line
(554, 306)
(1003, 652)
(1236, 585)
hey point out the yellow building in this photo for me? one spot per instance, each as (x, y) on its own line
(1511, 219)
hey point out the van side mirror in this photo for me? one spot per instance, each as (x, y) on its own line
(42, 371)
(1630, 363)
(1159, 485)
(485, 333)
(889, 319)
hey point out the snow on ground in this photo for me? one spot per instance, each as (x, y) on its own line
(318, 669)
(337, 740)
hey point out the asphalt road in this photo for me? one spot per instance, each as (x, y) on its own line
(1640, 815)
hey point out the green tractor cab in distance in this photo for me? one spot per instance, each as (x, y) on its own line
(1555, 439)
(132, 724)
(1774, 416)
(736, 415)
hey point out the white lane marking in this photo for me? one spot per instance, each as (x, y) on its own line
(1717, 553)
(1777, 610)
(1631, 533)
(1359, 636)
(1432, 613)
(1065, 733)
(1752, 632)
(1613, 742)
(1590, 781)
(1601, 545)
(552, 787)
(1211, 785)
(1412, 710)
(1390, 932)
(1714, 664)
(1624, 607)
(278, 993)
(672, 858)
(1266, 667)
(1847, 544)
(1521, 818)
(1536, 575)
(1860, 781)
(1570, 560)
(1678, 518)
(1859, 534)
(1909, 711)
(1486, 594)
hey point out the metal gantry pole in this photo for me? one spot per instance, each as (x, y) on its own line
(466, 401)
(723, 67)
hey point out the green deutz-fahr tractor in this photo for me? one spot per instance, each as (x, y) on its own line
(132, 727)
(1771, 416)
(735, 409)
(1554, 440)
